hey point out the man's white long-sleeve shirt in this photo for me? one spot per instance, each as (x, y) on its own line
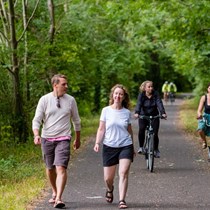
(56, 122)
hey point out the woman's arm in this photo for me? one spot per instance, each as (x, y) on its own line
(130, 131)
(99, 135)
(201, 106)
(138, 105)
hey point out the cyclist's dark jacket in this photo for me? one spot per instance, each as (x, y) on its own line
(149, 106)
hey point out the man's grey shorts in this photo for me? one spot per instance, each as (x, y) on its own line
(56, 153)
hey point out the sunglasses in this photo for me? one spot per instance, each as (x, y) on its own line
(58, 102)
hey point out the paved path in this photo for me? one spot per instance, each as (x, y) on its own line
(181, 177)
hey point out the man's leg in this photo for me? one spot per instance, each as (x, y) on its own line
(48, 149)
(60, 181)
(62, 155)
(51, 174)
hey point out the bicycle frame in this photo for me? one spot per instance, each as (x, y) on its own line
(149, 141)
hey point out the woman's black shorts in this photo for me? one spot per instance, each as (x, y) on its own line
(111, 155)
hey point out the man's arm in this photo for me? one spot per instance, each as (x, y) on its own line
(77, 140)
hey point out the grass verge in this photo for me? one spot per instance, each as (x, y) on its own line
(188, 113)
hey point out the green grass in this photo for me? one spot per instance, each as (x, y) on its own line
(20, 176)
(22, 171)
(89, 126)
(188, 114)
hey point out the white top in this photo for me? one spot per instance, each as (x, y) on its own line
(56, 121)
(116, 123)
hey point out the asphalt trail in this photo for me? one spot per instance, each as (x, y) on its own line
(181, 178)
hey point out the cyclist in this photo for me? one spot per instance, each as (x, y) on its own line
(203, 116)
(172, 89)
(149, 103)
(165, 91)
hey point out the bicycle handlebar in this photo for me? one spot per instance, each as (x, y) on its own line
(150, 117)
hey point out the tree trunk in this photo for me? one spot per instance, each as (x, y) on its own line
(19, 119)
(51, 71)
(26, 92)
(97, 91)
(52, 20)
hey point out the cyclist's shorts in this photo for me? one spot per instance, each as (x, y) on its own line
(202, 124)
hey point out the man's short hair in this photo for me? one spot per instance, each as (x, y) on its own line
(56, 78)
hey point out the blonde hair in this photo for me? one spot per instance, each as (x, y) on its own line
(126, 100)
(143, 85)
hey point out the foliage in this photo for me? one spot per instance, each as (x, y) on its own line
(18, 161)
(100, 43)
(96, 44)
(187, 39)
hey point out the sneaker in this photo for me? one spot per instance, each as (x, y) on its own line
(141, 150)
(157, 154)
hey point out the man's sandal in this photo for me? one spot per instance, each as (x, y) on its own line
(52, 200)
(122, 204)
(109, 195)
(59, 204)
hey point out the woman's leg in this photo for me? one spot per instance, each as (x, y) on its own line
(156, 125)
(141, 134)
(109, 174)
(165, 97)
(203, 138)
(124, 166)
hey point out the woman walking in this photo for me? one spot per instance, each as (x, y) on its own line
(116, 133)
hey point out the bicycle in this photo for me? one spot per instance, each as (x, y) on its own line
(171, 97)
(149, 141)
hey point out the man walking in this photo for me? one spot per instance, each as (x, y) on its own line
(55, 112)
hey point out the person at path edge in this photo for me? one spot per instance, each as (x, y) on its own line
(54, 113)
(116, 133)
(203, 116)
(149, 103)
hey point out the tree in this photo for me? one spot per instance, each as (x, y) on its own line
(10, 42)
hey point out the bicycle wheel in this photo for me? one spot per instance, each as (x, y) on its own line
(146, 151)
(146, 148)
(151, 152)
(171, 98)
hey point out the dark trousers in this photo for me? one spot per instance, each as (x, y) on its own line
(142, 127)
